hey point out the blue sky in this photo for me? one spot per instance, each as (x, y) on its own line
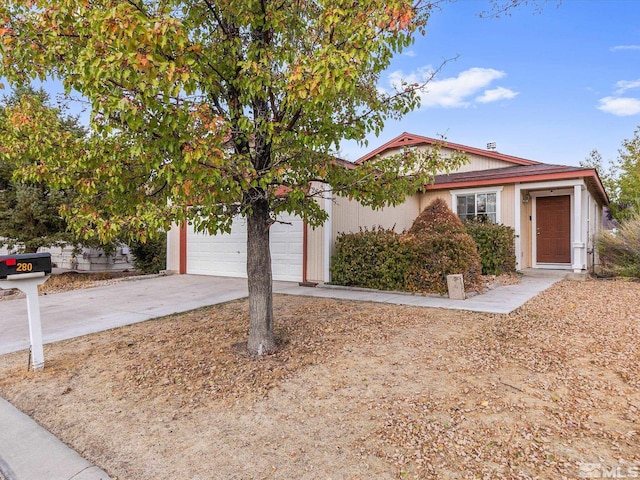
(548, 86)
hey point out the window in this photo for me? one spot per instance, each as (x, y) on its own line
(472, 205)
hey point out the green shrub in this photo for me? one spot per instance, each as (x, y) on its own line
(434, 256)
(370, 258)
(437, 245)
(150, 256)
(440, 246)
(496, 246)
(620, 253)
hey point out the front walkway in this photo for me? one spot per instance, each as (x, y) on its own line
(500, 300)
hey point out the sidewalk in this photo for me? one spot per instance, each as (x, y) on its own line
(29, 452)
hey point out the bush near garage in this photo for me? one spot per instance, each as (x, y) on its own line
(496, 246)
(620, 252)
(420, 260)
(150, 256)
(370, 258)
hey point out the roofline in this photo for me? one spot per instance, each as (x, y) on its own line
(527, 178)
(419, 139)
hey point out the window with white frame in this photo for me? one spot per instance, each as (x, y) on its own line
(477, 204)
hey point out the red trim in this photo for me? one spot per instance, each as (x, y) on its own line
(304, 252)
(183, 248)
(524, 179)
(408, 139)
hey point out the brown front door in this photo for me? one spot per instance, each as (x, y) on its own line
(553, 229)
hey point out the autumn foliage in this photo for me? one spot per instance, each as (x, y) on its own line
(202, 112)
(437, 217)
(440, 246)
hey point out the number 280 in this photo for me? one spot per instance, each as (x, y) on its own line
(24, 267)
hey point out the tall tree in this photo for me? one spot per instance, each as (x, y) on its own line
(30, 211)
(628, 176)
(622, 178)
(208, 109)
(606, 173)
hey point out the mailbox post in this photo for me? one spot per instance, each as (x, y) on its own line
(25, 272)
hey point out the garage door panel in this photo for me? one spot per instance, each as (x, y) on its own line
(225, 254)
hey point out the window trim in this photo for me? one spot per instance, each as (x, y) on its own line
(474, 191)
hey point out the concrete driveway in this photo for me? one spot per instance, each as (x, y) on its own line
(80, 312)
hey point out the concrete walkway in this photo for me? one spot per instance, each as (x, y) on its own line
(29, 452)
(500, 300)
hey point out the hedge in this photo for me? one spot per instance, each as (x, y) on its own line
(435, 255)
(496, 246)
(420, 260)
(150, 256)
(370, 258)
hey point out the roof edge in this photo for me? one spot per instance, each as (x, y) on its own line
(408, 139)
(585, 173)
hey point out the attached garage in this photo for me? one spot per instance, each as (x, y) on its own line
(226, 254)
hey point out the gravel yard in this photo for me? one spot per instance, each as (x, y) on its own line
(356, 390)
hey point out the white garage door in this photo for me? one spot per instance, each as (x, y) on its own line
(226, 254)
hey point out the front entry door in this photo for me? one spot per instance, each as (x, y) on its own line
(553, 229)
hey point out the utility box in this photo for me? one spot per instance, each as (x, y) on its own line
(455, 284)
(25, 265)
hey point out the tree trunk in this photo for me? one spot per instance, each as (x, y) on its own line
(261, 339)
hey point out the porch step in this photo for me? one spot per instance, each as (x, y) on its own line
(564, 274)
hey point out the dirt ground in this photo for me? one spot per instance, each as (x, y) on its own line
(356, 391)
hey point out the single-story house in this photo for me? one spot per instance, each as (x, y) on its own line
(555, 210)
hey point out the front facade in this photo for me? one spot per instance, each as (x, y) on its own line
(555, 210)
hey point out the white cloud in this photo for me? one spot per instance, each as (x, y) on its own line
(496, 94)
(620, 106)
(453, 92)
(409, 53)
(617, 48)
(624, 85)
